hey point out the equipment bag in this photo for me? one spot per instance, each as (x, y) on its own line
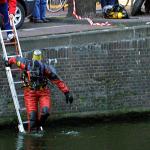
(115, 12)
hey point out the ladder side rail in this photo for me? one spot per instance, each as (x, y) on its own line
(16, 34)
(14, 96)
(10, 79)
(12, 87)
(3, 45)
(5, 56)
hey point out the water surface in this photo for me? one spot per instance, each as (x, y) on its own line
(105, 136)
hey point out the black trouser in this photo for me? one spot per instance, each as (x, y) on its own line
(1, 20)
(34, 122)
(147, 6)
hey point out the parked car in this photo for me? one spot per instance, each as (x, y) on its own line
(24, 9)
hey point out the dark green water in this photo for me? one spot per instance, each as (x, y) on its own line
(108, 136)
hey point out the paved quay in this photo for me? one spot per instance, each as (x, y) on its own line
(60, 24)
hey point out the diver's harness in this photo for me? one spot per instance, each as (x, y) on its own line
(34, 78)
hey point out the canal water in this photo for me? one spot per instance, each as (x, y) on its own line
(102, 136)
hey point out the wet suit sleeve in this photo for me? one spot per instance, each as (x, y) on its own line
(56, 80)
(20, 62)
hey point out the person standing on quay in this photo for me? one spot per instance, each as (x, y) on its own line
(39, 12)
(7, 10)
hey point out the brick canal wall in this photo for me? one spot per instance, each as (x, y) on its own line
(104, 76)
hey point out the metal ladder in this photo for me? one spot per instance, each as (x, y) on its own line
(12, 84)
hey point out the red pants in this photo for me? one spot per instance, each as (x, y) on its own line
(36, 99)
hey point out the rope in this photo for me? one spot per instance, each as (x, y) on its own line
(88, 19)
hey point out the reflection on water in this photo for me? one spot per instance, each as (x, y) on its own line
(73, 133)
(29, 141)
(110, 136)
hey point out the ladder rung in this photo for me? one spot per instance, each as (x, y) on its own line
(22, 109)
(6, 30)
(41, 128)
(13, 56)
(16, 69)
(9, 43)
(24, 122)
(18, 82)
(21, 95)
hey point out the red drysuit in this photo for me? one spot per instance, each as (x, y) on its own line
(11, 4)
(35, 75)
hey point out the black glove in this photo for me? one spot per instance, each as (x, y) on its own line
(7, 63)
(69, 98)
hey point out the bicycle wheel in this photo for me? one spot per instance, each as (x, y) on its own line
(55, 5)
(123, 2)
(136, 7)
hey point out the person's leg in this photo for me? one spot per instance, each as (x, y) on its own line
(108, 2)
(147, 6)
(31, 105)
(1, 18)
(43, 10)
(36, 12)
(1, 21)
(45, 105)
(112, 2)
(103, 3)
(7, 26)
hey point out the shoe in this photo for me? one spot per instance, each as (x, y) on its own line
(31, 19)
(140, 13)
(45, 20)
(11, 37)
(37, 21)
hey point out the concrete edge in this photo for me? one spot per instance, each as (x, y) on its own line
(105, 30)
(133, 21)
(79, 38)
